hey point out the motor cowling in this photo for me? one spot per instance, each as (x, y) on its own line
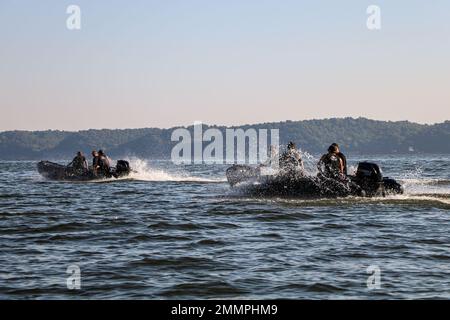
(122, 167)
(370, 178)
(367, 170)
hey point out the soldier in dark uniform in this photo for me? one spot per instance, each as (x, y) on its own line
(104, 166)
(79, 163)
(330, 164)
(342, 156)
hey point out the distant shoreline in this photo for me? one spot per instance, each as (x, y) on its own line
(222, 125)
(357, 136)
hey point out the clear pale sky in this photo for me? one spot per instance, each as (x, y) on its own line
(171, 62)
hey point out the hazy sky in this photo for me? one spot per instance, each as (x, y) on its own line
(171, 62)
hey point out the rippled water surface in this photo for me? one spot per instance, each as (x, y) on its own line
(180, 232)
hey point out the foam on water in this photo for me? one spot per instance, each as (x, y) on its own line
(433, 200)
(143, 171)
(414, 183)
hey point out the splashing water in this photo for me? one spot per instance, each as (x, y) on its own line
(143, 171)
(309, 163)
(415, 183)
(417, 186)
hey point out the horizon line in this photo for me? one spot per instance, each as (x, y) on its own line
(227, 126)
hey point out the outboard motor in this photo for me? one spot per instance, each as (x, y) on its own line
(370, 178)
(122, 168)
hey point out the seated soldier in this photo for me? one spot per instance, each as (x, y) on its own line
(330, 164)
(79, 163)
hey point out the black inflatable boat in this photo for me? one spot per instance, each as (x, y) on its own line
(367, 182)
(55, 171)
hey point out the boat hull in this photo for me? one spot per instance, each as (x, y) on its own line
(252, 181)
(55, 171)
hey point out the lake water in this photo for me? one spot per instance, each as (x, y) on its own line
(180, 232)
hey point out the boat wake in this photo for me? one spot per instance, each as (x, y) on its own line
(418, 192)
(421, 200)
(144, 171)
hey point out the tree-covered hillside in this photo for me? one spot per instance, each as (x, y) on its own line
(354, 135)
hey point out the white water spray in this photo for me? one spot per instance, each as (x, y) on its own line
(144, 171)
